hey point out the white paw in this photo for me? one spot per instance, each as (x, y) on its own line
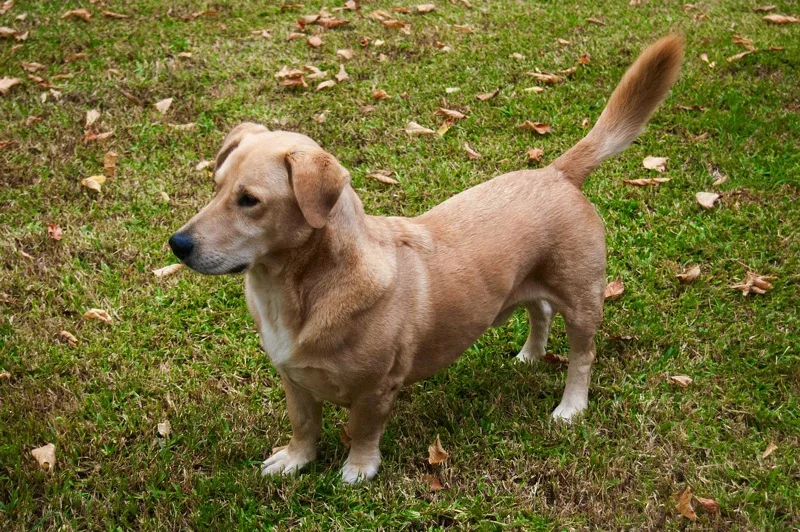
(353, 473)
(528, 356)
(567, 409)
(284, 462)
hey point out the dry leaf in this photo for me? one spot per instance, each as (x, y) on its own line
(94, 182)
(286, 72)
(736, 57)
(769, 450)
(342, 75)
(555, 360)
(164, 196)
(655, 163)
(718, 176)
(425, 8)
(415, 129)
(97, 314)
(755, 284)
(378, 43)
(472, 154)
(203, 165)
(54, 231)
(163, 105)
(614, 290)
(539, 127)
(684, 505)
(92, 116)
(314, 41)
(463, 28)
(451, 90)
(450, 113)
(681, 380)
(535, 154)
(294, 82)
(110, 163)
(365, 109)
(445, 127)
(326, 85)
(111, 14)
(330, 22)
(68, 337)
(584, 59)
(7, 83)
(166, 271)
(781, 19)
(320, 118)
(346, 53)
(293, 36)
(568, 71)
(689, 276)
(437, 455)
(517, 56)
(384, 176)
(6, 6)
(709, 505)
(535, 89)
(764, 9)
(78, 13)
(646, 182)
(5, 374)
(204, 13)
(46, 456)
(706, 199)
(433, 482)
(562, 42)
(164, 429)
(488, 95)
(597, 21)
(544, 77)
(74, 57)
(31, 67)
(379, 95)
(744, 41)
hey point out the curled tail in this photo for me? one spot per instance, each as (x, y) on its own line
(643, 87)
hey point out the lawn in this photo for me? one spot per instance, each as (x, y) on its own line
(183, 348)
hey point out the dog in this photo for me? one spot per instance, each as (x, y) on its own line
(351, 307)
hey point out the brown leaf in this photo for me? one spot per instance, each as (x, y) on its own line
(684, 505)
(166, 271)
(555, 360)
(562, 42)
(755, 284)
(689, 276)
(681, 380)
(342, 75)
(769, 450)
(54, 231)
(112, 14)
(425, 8)
(90, 136)
(6, 6)
(321, 118)
(706, 199)
(314, 41)
(78, 13)
(315, 72)
(94, 182)
(719, 177)
(204, 13)
(294, 82)
(33, 120)
(488, 95)
(535, 154)
(539, 127)
(433, 482)
(202, 165)
(653, 181)
(781, 19)
(286, 72)
(110, 163)
(463, 28)
(5, 144)
(163, 105)
(736, 57)
(517, 56)
(379, 95)
(584, 59)
(614, 289)
(364, 41)
(345, 53)
(68, 337)
(330, 22)
(744, 41)
(597, 21)
(74, 57)
(7, 83)
(709, 505)
(92, 116)
(445, 127)
(450, 113)
(97, 314)
(384, 176)
(32, 67)
(326, 85)
(472, 154)
(45, 456)
(545, 77)
(5, 374)
(568, 71)
(535, 89)
(366, 109)
(764, 9)
(436, 454)
(293, 36)
(655, 163)
(164, 429)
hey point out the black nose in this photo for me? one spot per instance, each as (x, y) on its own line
(181, 244)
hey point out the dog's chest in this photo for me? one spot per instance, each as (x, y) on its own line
(275, 337)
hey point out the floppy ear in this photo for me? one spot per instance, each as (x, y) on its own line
(318, 180)
(233, 139)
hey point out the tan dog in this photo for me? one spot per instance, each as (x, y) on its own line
(352, 307)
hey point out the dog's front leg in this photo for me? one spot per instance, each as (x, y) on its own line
(305, 415)
(368, 416)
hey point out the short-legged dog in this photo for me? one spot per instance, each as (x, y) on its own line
(352, 307)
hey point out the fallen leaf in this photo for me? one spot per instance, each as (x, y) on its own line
(597, 21)
(709, 505)
(6, 6)
(263, 33)
(112, 14)
(365, 109)
(437, 455)
(545, 77)
(204, 13)
(562, 42)
(320, 118)
(463, 28)
(614, 289)
(555, 360)
(415, 129)
(314, 41)
(78, 13)
(90, 136)
(755, 284)
(445, 127)
(110, 163)
(681, 380)
(646, 182)
(655, 163)
(68, 337)
(74, 57)
(164, 196)
(781, 19)
(294, 82)
(330, 22)
(5, 375)
(97, 314)
(744, 41)
(451, 90)
(517, 56)
(5, 144)
(7, 83)
(472, 154)
(342, 75)
(350, 5)
(32, 67)
(379, 95)
(568, 71)
(535, 89)
(736, 57)
(46, 456)
(384, 176)
(307, 19)
(689, 276)
(488, 95)
(92, 116)
(164, 429)
(719, 177)
(54, 231)
(293, 36)
(450, 113)
(378, 43)
(769, 450)
(163, 105)
(346, 53)
(635, 2)
(706, 199)
(764, 9)
(684, 505)
(433, 482)
(539, 127)
(425, 8)
(535, 154)
(203, 165)
(286, 72)
(584, 59)
(704, 58)
(364, 41)
(166, 271)
(94, 182)
(326, 85)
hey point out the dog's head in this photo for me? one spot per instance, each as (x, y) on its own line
(273, 189)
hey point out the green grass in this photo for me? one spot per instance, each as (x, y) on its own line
(184, 349)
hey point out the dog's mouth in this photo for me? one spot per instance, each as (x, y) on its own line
(238, 269)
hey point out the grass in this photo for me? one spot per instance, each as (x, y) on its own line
(183, 349)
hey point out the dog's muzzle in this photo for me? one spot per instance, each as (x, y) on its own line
(182, 245)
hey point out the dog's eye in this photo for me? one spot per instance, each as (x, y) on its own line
(246, 200)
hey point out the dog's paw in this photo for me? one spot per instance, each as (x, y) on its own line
(360, 471)
(284, 462)
(528, 356)
(567, 410)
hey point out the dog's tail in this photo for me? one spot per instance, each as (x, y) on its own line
(642, 89)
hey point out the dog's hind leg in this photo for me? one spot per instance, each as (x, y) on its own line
(540, 316)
